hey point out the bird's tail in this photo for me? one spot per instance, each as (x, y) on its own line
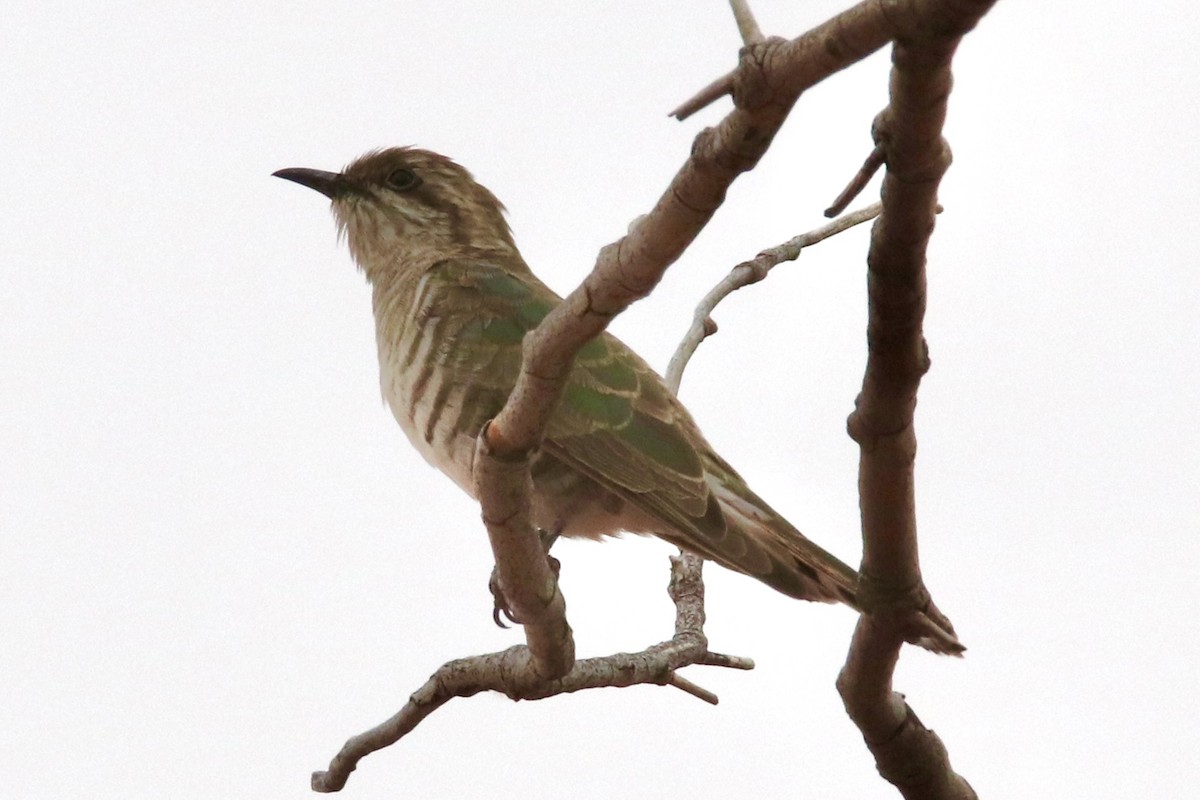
(779, 555)
(762, 544)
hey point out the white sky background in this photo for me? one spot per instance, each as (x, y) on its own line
(219, 558)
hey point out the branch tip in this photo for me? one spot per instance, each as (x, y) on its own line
(682, 683)
(705, 97)
(729, 662)
(859, 182)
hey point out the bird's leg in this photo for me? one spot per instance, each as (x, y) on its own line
(500, 604)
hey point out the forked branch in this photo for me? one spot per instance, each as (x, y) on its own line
(509, 672)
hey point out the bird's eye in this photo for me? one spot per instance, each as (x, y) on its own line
(403, 179)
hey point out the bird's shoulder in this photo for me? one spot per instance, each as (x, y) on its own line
(502, 295)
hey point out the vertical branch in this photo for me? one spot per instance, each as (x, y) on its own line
(908, 133)
(529, 585)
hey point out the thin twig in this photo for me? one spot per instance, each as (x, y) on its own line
(859, 182)
(751, 34)
(747, 25)
(680, 682)
(732, 662)
(703, 98)
(749, 272)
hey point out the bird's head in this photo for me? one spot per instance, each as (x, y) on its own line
(403, 208)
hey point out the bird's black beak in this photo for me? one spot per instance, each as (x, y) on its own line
(331, 184)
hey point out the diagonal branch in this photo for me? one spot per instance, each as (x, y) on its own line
(835, 44)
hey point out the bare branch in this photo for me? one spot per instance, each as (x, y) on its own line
(749, 272)
(769, 78)
(895, 602)
(793, 66)
(705, 97)
(510, 671)
(747, 25)
(680, 682)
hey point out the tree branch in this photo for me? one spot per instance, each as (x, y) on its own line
(835, 44)
(509, 672)
(896, 605)
(859, 182)
(747, 25)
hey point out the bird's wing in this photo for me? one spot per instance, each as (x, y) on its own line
(617, 422)
(621, 426)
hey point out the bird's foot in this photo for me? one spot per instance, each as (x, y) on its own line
(500, 609)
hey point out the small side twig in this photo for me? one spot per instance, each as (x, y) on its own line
(680, 682)
(747, 25)
(749, 272)
(751, 34)
(859, 182)
(705, 97)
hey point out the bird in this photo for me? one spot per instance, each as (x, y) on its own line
(452, 300)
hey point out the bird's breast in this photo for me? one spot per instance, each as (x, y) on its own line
(433, 408)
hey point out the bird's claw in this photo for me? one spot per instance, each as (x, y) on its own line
(499, 602)
(500, 607)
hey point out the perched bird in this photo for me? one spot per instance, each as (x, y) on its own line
(453, 299)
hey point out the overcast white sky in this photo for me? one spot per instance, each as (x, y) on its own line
(219, 558)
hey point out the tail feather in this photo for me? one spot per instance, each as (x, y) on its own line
(795, 566)
(800, 568)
